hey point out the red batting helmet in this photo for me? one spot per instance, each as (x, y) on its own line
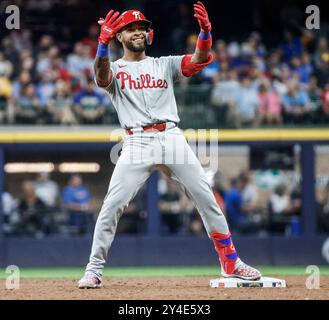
(132, 16)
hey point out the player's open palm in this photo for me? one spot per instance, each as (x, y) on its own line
(109, 26)
(201, 14)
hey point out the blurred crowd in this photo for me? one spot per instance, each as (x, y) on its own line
(40, 84)
(44, 208)
(44, 82)
(254, 85)
(246, 209)
(240, 202)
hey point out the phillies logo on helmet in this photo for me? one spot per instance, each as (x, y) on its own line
(131, 16)
(137, 15)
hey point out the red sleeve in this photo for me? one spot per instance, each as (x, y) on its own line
(190, 68)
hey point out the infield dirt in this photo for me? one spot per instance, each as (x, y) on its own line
(161, 288)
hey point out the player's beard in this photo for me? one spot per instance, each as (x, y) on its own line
(135, 48)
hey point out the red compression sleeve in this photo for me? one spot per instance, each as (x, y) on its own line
(204, 42)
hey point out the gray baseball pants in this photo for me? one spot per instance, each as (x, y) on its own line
(141, 154)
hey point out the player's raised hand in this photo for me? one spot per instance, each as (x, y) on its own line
(109, 26)
(200, 13)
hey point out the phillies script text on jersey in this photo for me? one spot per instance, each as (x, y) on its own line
(144, 82)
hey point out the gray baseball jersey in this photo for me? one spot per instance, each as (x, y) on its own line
(142, 92)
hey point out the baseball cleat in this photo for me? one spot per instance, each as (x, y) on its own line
(90, 281)
(243, 271)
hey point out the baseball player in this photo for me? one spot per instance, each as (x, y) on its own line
(142, 92)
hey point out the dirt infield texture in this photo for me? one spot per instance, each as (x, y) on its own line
(161, 288)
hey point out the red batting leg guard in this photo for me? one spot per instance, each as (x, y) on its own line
(226, 251)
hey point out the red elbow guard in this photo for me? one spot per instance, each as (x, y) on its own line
(190, 68)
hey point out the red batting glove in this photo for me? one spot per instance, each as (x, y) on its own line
(201, 14)
(109, 26)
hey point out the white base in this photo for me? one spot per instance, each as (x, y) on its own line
(263, 282)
